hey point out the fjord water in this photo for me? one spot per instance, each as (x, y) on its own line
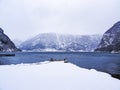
(106, 62)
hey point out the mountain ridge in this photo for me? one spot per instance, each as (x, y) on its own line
(110, 41)
(6, 45)
(61, 42)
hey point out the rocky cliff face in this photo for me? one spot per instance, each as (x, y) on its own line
(111, 39)
(6, 44)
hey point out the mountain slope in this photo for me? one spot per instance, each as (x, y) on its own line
(60, 42)
(111, 39)
(5, 43)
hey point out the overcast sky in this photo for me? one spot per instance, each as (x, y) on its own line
(22, 19)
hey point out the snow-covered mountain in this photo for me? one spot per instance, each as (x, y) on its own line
(111, 39)
(61, 42)
(6, 45)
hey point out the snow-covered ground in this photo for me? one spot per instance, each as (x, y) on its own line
(54, 76)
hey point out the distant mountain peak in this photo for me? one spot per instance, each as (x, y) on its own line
(61, 42)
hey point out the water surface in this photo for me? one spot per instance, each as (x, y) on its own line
(105, 62)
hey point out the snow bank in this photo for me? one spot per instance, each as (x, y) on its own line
(54, 76)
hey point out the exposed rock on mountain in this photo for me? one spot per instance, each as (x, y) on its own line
(60, 42)
(6, 44)
(111, 40)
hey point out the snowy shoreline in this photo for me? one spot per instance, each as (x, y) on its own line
(54, 76)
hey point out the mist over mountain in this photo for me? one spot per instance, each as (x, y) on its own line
(111, 39)
(61, 42)
(17, 42)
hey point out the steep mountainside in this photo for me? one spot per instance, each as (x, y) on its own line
(5, 43)
(111, 40)
(60, 42)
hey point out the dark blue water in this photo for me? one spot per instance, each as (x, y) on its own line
(105, 62)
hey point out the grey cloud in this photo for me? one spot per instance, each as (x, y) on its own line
(24, 18)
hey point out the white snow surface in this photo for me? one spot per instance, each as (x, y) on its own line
(54, 76)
